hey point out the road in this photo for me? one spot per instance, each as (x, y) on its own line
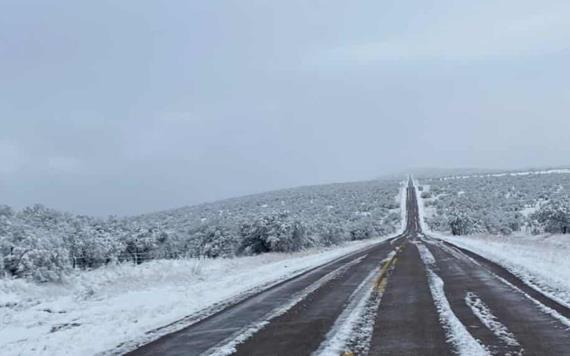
(409, 295)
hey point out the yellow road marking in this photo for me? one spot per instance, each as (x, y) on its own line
(386, 268)
(382, 286)
(382, 281)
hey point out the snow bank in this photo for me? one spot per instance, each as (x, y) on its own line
(96, 311)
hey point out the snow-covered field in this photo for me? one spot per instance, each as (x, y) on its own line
(94, 312)
(499, 204)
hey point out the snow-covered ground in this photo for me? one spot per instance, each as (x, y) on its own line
(94, 312)
(499, 204)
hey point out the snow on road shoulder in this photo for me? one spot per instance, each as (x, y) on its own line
(555, 314)
(457, 333)
(541, 262)
(402, 197)
(421, 207)
(229, 346)
(95, 311)
(339, 335)
(355, 325)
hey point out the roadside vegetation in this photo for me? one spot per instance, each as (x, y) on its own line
(44, 244)
(498, 204)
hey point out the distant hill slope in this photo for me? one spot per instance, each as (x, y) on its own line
(433, 172)
(43, 243)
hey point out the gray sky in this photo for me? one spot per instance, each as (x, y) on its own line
(123, 107)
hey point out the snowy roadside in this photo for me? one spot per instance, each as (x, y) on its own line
(95, 311)
(540, 261)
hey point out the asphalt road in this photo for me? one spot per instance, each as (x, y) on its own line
(384, 300)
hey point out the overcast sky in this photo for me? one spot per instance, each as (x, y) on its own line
(124, 107)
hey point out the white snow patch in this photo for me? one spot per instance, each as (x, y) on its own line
(356, 322)
(484, 314)
(529, 210)
(337, 338)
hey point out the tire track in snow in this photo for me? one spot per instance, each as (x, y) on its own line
(457, 334)
(541, 306)
(356, 310)
(486, 316)
(353, 328)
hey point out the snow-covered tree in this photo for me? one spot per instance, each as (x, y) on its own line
(216, 241)
(554, 216)
(461, 223)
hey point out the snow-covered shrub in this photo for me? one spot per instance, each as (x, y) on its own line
(91, 247)
(438, 223)
(361, 233)
(140, 246)
(328, 234)
(275, 233)
(27, 255)
(216, 241)
(498, 204)
(554, 216)
(461, 223)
